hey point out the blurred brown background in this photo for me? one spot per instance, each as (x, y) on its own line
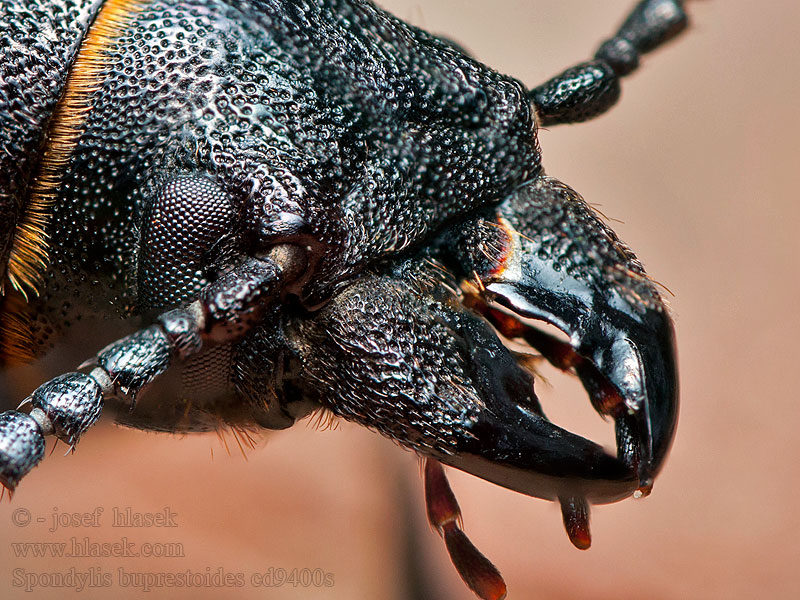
(700, 161)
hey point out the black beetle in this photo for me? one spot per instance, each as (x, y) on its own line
(281, 206)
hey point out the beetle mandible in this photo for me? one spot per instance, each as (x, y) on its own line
(282, 206)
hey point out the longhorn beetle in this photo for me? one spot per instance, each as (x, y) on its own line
(291, 205)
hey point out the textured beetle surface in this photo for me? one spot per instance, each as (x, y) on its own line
(278, 207)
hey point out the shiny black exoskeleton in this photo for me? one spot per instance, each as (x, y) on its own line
(277, 206)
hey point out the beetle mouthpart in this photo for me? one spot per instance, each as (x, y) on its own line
(575, 511)
(547, 256)
(444, 515)
(634, 383)
(436, 378)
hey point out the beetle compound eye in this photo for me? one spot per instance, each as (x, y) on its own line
(183, 220)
